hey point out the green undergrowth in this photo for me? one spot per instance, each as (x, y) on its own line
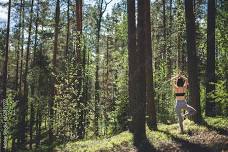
(165, 134)
(98, 145)
(218, 122)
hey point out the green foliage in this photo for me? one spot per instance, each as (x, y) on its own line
(164, 96)
(98, 145)
(221, 97)
(221, 92)
(9, 117)
(165, 134)
(217, 122)
(66, 102)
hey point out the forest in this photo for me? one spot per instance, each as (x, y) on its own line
(103, 75)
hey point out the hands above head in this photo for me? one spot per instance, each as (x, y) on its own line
(174, 77)
(184, 77)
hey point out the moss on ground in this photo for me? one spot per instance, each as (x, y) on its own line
(165, 134)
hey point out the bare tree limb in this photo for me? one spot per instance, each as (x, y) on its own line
(106, 5)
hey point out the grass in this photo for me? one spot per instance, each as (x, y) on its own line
(217, 122)
(165, 134)
(98, 145)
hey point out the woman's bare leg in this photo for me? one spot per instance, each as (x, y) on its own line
(191, 111)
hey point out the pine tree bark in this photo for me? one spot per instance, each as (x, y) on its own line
(194, 90)
(97, 83)
(210, 69)
(17, 58)
(4, 79)
(164, 52)
(169, 49)
(131, 58)
(151, 111)
(80, 126)
(38, 125)
(140, 80)
(22, 13)
(36, 31)
(68, 29)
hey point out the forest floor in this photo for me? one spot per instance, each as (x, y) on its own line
(212, 136)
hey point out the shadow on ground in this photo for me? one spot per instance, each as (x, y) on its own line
(145, 146)
(221, 131)
(185, 145)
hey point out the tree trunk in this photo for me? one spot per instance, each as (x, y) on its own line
(22, 13)
(164, 52)
(36, 30)
(54, 62)
(68, 29)
(4, 79)
(131, 58)
(97, 83)
(80, 126)
(140, 80)
(194, 90)
(31, 123)
(17, 78)
(85, 90)
(25, 98)
(17, 58)
(169, 49)
(101, 10)
(32, 114)
(151, 111)
(210, 70)
(38, 124)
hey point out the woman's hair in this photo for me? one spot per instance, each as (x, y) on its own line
(180, 82)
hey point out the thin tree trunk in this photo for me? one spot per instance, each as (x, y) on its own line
(210, 69)
(80, 126)
(151, 111)
(68, 29)
(38, 124)
(17, 80)
(164, 52)
(32, 114)
(25, 99)
(17, 59)
(131, 58)
(85, 90)
(101, 10)
(53, 89)
(4, 79)
(97, 83)
(194, 91)
(31, 123)
(22, 13)
(169, 49)
(36, 30)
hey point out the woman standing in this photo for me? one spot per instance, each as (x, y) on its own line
(180, 86)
